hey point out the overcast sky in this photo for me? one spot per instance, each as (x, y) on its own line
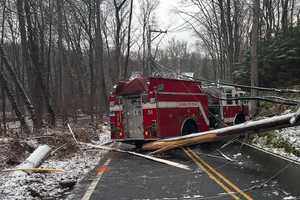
(167, 19)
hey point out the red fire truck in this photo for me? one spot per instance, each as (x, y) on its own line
(145, 109)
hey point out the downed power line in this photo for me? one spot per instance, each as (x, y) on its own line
(272, 123)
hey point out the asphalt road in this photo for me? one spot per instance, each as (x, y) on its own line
(123, 176)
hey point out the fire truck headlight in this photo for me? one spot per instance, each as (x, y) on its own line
(146, 133)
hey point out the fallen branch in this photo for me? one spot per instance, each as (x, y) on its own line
(72, 133)
(295, 117)
(160, 160)
(55, 150)
(35, 159)
(225, 156)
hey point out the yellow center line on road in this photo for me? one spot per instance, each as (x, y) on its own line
(217, 175)
(211, 176)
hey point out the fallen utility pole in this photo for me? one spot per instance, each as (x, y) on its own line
(250, 127)
(34, 160)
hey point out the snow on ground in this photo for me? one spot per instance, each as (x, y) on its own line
(285, 142)
(56, 185)
(104, 136)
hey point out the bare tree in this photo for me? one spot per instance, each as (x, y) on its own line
(101, 83)
(18, 84)
(3, 94)
(254, 58)
(60, 6)
(13, 102)
(37, 66)
(118, 38)
(128, 40)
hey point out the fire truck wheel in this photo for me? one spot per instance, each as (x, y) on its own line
(240, 118)
(138, 144)
(189, 127)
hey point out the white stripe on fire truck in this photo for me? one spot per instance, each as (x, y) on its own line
(178, 104)
(116, 108)
(168, 104)
(182, 93)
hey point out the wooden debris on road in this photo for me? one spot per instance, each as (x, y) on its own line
(160, 160)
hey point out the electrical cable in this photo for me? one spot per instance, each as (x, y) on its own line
(279, 100)
(228, 84)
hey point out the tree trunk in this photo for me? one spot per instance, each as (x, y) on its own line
(119, 22)
(230, 48)
(284, 17)
(14, 104)
(91, 63)
(3, 94)
(128, 41)
(59, 4)
(101, 83)
(19, 86)
(254, 58)
(37, 65)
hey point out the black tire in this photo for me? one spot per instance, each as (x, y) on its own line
(138, 145)
(189, 127)
(240, 118)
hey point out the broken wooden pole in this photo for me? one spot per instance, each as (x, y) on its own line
(34, 160)
(35, 170)
(272, 123)
(148, 157)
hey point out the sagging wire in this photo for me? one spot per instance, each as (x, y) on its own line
(261, 185)
(278, 100)
(210, 113)
(226, 83)
(253, 187)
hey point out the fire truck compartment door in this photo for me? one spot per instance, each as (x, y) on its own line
(133, 118)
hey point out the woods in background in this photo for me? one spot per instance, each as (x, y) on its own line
(227, 30)
(61, 58)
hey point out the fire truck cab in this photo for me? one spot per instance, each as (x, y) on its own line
(225, 107)
(144, 109)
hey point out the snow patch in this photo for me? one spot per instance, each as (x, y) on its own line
(288, 136)
(56, 185)
(289, 198)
